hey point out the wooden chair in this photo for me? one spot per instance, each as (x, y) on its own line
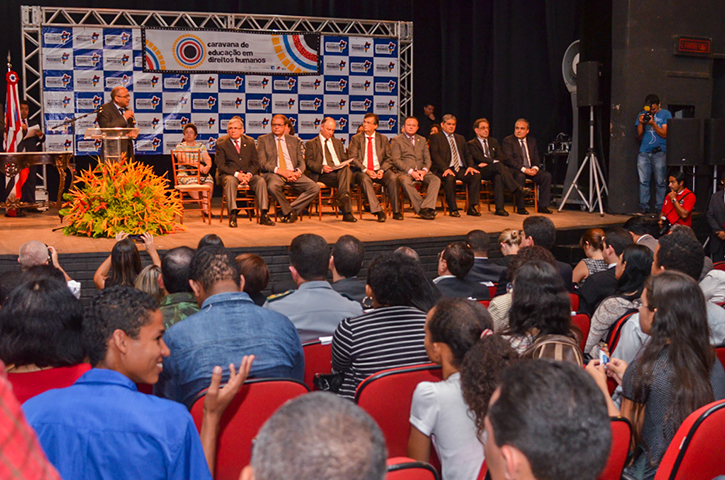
(461, 189)
(289, 193)
(533, 193)
(318, 359)
(246, 202)
(404, 468)
(327, 195)
(186, 165)
(380, 192)
(487, 193)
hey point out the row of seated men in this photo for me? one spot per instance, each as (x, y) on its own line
(406, 161)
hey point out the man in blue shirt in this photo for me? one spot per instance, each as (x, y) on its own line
(228, 327)
(652, 158)
(102, 427)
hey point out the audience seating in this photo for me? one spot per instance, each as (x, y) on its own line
(318, 359)
(29, 384)
(376, 393)
(621, 439)
(190, 161)
(485, 303)
(574, 302)
(492, 291)
(256, 401)
(484, 470)
(404, 468)
(719, 266)
(696, 451)
(582, 322)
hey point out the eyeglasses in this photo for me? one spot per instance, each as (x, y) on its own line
(278, 124)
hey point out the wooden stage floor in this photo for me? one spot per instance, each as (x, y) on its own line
(39, 226)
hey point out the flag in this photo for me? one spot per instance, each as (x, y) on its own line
(13, 136)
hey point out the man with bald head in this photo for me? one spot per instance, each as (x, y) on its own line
(325, 157)
(118, 113)
(35, 252)
(522, 158)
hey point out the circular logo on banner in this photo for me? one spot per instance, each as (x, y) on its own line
(189, 51)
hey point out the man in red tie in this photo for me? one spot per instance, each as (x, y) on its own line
(370, 155)
(236, 162)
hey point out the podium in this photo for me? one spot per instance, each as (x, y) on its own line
(115, 141)
(12, 163)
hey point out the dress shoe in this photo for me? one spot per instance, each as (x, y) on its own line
(291, 217)
(502, 213)
(398, 216)
(233, 219)
(349, 217)
(544, 210)
(454, 213)
(432, 211)
(425, 214)
(473, 212)
(265, 220)
(522, 211)
(381, 216)
(525, 191)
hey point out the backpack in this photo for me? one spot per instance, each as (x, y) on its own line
(555, 347)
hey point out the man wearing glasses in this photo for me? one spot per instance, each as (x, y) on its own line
(117, 113)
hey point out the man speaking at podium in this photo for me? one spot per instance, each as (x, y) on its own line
(117, 113)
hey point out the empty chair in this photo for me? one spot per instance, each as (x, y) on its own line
(403, 468)
(318, 359)
(582, 322)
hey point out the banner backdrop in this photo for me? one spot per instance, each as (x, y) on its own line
(219, 51)
(82, 64)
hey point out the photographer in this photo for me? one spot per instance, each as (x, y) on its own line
(679, 203)
(652, 158)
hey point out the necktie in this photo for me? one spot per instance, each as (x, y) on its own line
(371, 164)
(527, 162)
(328, 154)
(455, 160)
(280, 154)
(236, 145)
(485, 148)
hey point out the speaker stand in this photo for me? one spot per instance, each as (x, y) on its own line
(596, 176)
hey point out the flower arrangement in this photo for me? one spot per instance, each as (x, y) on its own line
(126, 196)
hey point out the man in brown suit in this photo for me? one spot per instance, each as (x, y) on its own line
(325, 157)
(410, 157)
(236, 162)
(281, 160)
(370, 154)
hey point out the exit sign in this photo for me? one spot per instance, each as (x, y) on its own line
(693, 46)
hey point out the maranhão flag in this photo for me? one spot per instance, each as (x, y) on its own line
(13, 137)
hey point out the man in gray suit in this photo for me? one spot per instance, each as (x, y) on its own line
(410, 157)
(280, 157)
(370, 155)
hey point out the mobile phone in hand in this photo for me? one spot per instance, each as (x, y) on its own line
(136, 237)
(603, 358)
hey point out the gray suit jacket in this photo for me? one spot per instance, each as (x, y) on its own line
(358, 147)
(268, 156)
(406, 156)
(314, 156)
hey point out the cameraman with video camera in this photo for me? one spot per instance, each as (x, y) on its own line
(652, 158)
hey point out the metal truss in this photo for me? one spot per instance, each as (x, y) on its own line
(33, 18)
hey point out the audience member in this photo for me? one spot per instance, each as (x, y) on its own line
(228, 326)
(256, 276)
(509, 241)
(210, 240)
(314, 308)
(643, 229)
(483, 270)
(603, 284)
(679, 202)
(34, 253)
(715, 215)
(392, 334)
(454, 263)
(707, 265)
(148, 282)
(180, 301)
(676, 372)
(593, 262)
(546, 420)
(632, 270)
(345, 263)
(428, 295)
(124, 263)
(453, 327)
(342, 442)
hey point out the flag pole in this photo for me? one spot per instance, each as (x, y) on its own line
(9, 64)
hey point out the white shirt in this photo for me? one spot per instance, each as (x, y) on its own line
(335, 160)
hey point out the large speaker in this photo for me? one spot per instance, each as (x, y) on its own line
(587, 84)
(715, 141)
(684, 141)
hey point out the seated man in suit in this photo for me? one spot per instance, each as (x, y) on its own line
(237, 163)
(370, 154)
(454, 263)
(483, 271)
(488, 158)
(280, 156)
(451, 162)
(411, 158)
(522, 157)
(325, 157)
(117, 113)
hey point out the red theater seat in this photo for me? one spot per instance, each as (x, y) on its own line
(318, 359)
(27, 385)
(621, 438)
(404, 468)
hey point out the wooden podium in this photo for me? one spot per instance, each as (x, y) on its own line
(12, 163)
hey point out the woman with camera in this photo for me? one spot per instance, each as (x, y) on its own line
(679, 203)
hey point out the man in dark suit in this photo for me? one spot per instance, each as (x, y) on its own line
(280, 156)
(522, 158)
(237, 163)
(411, 159)
(325, 158)
(454, 263)
(370, 155)
(345, 263)
(488, 158)
(117, 113)
(482, 271)
(451, 162)
(33, 143)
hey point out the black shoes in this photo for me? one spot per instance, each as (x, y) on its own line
(381, 216)
(522, 211)
(427, 214)
(544, 210)
(502, 213)
(349, 217)
(473, 212)
(398, 216)
(233, 219)
(265, 220)
(454, 213)
(291, 217)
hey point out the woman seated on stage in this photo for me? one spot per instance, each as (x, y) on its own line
(191, 145)
(124, 263)
(674, 374)
(40, 333)
(679, 203)
(592, 242)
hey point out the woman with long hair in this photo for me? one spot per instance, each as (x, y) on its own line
(148, 281)
(675, 373)
(540, 306)
(634, 267)
(124, 263)
(592, 242)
